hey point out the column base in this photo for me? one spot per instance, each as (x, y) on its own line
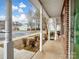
(8, 50)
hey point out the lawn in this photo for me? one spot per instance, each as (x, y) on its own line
(76, 51)
(76, 47)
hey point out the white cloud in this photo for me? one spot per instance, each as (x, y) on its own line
(22, 18)
(14, 18)
(14, 7)
(2, 17)
(34, 9)
(20, 10)
(22, 5)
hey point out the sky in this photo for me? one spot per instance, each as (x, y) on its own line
(20, 9)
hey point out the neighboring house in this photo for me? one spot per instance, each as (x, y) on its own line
(2, 24)
(23, 27)
(15, 25)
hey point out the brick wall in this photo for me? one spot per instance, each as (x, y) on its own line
(65, 25)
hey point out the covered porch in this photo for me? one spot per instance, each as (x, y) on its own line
(51, 49)
(56, 14)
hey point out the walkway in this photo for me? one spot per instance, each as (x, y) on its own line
(18, 54)
(51, 50)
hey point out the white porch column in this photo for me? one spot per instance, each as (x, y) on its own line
(41, 32)
(69, 39)
(35, 25)
(49, 29)
(8, 48)
(55, 28)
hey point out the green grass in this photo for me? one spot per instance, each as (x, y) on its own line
(76, 51)
(77, 39)
(77, 33)
(76, 46)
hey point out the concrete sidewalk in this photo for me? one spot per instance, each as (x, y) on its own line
(51, 50)
(18, 54)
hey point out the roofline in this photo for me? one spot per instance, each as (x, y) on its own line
(42, 6)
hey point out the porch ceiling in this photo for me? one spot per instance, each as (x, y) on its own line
(52, 8)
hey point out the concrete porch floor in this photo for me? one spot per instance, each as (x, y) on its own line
(51, 50)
